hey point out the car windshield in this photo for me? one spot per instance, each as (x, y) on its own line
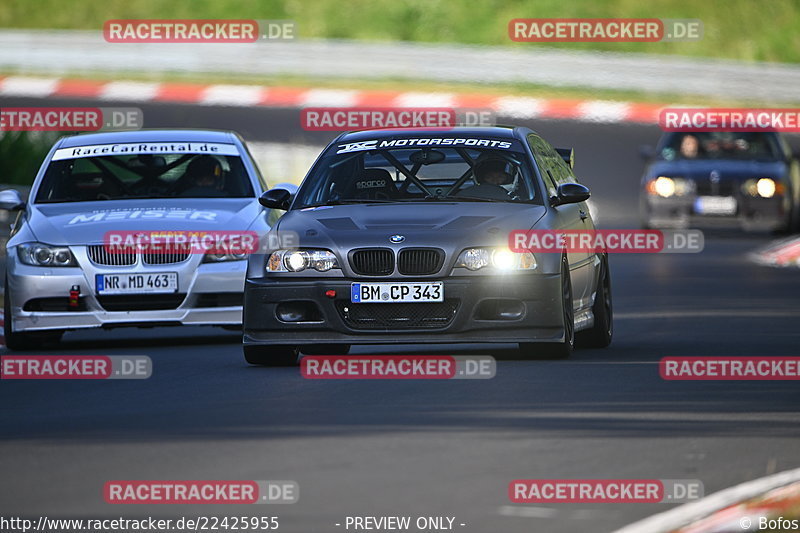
(352, 173)
(144, 175)
(720, 145)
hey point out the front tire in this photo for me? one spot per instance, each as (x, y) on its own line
(261, 355)
(601, 333)
(563, 349)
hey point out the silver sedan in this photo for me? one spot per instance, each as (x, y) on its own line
(63, 272)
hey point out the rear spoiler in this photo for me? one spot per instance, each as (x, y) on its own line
(568, 155)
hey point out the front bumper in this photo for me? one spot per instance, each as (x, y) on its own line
(208, 294)
(752, 213)
(538, 296)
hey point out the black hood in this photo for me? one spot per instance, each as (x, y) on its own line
(459, 224)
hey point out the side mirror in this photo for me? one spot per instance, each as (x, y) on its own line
(568, 155)
(647, 151)
(276, 199)
(11, 200)
(570, 193)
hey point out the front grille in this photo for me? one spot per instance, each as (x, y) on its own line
(372, 262)
(420, 261)
(397, 315)
(140, 302)
(99, 255)
(165, 258)
(722, 188)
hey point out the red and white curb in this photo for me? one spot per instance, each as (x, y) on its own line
(783, 253)
(294, 97)
(723, 511)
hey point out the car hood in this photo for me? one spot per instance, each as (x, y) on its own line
(727, 168)
(439, 224)
(88, 222)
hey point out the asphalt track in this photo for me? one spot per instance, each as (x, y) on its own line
(439, 448)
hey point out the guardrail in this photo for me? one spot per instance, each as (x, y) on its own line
(74, 52)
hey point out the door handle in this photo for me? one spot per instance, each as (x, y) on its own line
(583, 214)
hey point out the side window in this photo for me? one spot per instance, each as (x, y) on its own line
(544, 161)
(561, 171)
(259, 176)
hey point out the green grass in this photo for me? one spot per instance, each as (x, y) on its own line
(26, 150)
(737, 29)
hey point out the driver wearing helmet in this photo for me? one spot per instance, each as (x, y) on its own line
(491, 174)
(205, 176)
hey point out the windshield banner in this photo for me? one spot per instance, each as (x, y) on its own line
(98, 150)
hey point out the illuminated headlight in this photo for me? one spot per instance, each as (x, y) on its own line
(299, 260)
(765, 187)
(666, 187)
(38, 254)
(219, 258)
(296, 261)
(502, 259)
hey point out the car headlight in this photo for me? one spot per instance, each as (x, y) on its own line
(502, 259)
(219, 258)
(299, 260)
(666, 187)
(763, 187)
(38, 254)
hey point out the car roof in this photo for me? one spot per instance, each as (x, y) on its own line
(508, 132)
(150, 135)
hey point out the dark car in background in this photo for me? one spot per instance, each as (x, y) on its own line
(743, 180)
(403, 238)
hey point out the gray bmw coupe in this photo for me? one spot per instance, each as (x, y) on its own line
(404, 238)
